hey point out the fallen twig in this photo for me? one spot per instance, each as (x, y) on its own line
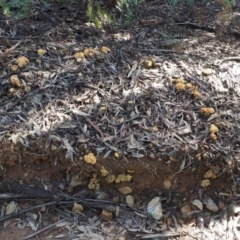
(10, 50)
(43, 229)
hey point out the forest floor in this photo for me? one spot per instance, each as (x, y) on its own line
(125, 132)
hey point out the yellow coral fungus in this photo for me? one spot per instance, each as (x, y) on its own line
(180, 86)
(195, 92)
(110, 178)
(104, 171)
(89, 52)
(178, 80)
(123, 178)
(205, 183)
(116, 155)
(79, 55)
(94, 182)
(14, 68)
(105, 50)
(90, 158)
(207, 111)
(22, 61)
(41, 52)
(213, 136)
(149, 63)
(189, 85)
(14, 80)
(213, 129)
(209, 174)
(103, 108)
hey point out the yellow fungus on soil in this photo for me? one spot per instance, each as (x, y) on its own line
(41, 52)
(15, 81)
(104, 171)
(178, 80)
(79, 55)
(189, 85)
(213, 136)
(90, 158)
(149, 63)
(207, 111)
(123, 178)
(213, 129)
(103, 108)
(209, 174)
(105, 50)
(110, 178)
(94, 183)
(22, 61)
(205, 183)
(14, 68)
(180, 86)
(89, 52)
(195, 92)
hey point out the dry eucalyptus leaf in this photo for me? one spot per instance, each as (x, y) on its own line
(11, 208)
(198, 204)
(210, 204)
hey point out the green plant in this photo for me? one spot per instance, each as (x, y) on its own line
(190, 3)
(126, 8)
(21, 8)
(16, 8)
(172, 4)
(98, 15)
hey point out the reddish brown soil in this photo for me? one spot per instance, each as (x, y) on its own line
(29, 165)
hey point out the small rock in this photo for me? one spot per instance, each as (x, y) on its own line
(106, 215)
(186, 209)
(43, 209)
(130, 200)
(167, 184)
(221, 205)
(198, 204)
(77, 208)
(210, 205)
(154, 208)
(125, 190)
(53, 147)
(207, 71)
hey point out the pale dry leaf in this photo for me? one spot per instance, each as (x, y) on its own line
(14, 138)
(80, 113)
(107, 153)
